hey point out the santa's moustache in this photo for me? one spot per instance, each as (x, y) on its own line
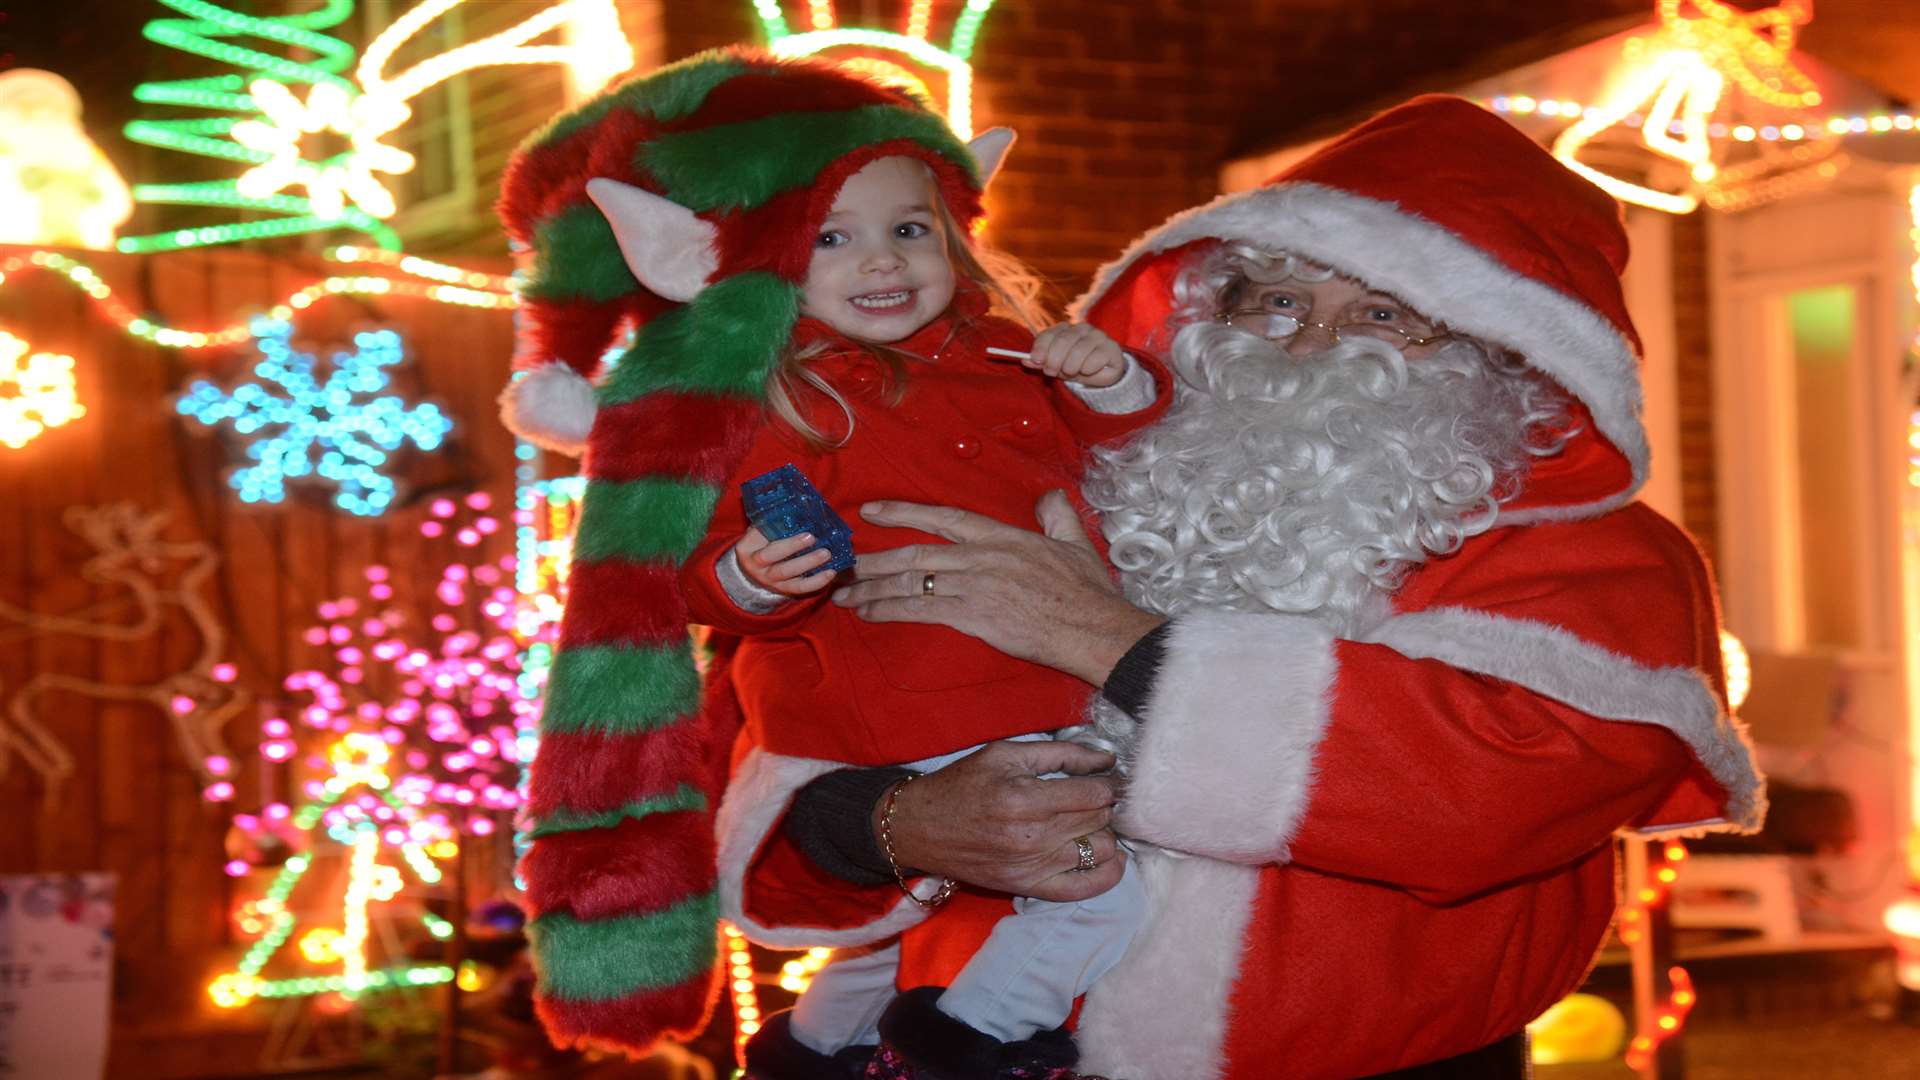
(1312, 484)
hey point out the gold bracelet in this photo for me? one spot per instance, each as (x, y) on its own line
(886, 847)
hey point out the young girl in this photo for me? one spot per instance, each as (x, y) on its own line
(887, 391)
(791, 243)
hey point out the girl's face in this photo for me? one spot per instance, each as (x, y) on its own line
(880, 269)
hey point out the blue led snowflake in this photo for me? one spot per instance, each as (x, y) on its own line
(300, 428)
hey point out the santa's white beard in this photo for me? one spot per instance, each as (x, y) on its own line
(1311, 485)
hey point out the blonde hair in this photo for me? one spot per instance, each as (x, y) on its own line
(1013, 292)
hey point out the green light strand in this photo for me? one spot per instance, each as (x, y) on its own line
(967, 27)
(386, 978)
(202, 33)
(772, 19)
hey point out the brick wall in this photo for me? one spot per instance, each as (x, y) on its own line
(1693, 347)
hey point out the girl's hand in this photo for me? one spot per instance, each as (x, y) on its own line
(1078, 353)
(783, 566)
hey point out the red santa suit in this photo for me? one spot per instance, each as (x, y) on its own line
(813, 679)
(1395, 848)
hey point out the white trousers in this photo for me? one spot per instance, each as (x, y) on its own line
(1023, 980)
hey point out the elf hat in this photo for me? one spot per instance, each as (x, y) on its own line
(1453, 210)
(685, 205)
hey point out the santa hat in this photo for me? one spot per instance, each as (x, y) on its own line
(1453, 210)
(683, 205)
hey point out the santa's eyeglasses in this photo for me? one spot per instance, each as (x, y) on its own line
(1381, 322)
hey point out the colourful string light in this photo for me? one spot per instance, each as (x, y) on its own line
(341, 430)
(746, 998)
(431, 699)
(158, 333)
(1887, 123)
(951, 60)
(1660, 878)
(36, 392)
(1666, 1021)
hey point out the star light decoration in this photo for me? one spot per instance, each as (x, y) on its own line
(332, 180)
(341, 430)
(36, 392)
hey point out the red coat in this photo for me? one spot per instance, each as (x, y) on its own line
(1384, 850)
(986, 434)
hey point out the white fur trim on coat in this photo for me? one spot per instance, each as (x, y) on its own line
(1553, 662)
(1442, 276)
(757, 799)
(1162, 1013)
(551, 406)
(1238, 709)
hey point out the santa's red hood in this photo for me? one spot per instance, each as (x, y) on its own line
(1454, 211)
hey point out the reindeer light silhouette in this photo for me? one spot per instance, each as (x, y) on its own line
(198, 698)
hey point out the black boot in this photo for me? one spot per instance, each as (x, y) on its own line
(773, 1053)
(916, 1036)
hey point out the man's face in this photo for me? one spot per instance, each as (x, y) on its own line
(1304, 316)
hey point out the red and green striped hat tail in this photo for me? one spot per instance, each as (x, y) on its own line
(621, 876)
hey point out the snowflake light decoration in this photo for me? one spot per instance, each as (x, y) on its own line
(331, 181)
(35, 395)
(335, 430)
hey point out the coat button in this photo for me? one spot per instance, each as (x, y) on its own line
(966, 446)
(1026, 425)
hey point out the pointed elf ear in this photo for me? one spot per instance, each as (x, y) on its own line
(989, 150)
(668, 248)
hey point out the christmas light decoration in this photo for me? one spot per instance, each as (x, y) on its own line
(1739, 669)
(1665, 1022)
(56, 187)
(1632, 928)
(36, 392)
(1632, 924)
(1680, 73)
(265, 126)
(795, 975)
(358, 762)
(472, 290)
(1892, 123)
(164, 583)
(913, 45)
(331, 182)
(334, 430)
(429, 695)
(1913, 237)
(746, 999)
(596, 51)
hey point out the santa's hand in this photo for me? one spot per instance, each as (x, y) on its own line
(990, 821)
(1045, 598)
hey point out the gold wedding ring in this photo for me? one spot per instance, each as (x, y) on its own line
(926, 583)
(1086, 854)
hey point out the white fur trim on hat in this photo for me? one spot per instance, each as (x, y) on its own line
(1442, 276)
(551, 406)
(757, 799)
(1552, 662)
